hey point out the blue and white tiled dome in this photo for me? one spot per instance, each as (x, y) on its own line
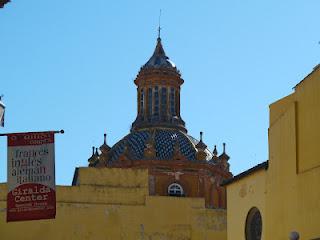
(164, 140)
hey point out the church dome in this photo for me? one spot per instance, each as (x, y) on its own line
(158, 135)
(164, 142)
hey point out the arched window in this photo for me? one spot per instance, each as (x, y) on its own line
(177, 100)
(150, 101)
(172, 102)
(156, 102)
(175, 189)
(141, 101)
(253, 229)
(163, 102)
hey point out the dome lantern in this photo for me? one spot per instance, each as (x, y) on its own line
(158, 93)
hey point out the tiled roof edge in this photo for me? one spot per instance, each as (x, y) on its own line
(313, 70)
(260, 166)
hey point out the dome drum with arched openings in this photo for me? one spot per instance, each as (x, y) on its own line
(158, 88)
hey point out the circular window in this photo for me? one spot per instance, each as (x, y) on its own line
(253, 225)
(175, 189)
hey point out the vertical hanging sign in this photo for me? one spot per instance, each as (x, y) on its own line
(31, 176)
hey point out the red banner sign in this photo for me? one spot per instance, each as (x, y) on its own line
(31, 176)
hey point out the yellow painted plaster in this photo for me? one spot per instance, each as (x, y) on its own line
(293, 199)
(111, 204)
(241, 197)
(290, 193)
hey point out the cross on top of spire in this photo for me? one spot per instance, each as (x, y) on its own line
(159, 27)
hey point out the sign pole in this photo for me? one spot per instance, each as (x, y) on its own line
(6, 134)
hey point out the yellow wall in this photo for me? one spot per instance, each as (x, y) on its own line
(308, 121)
(293, 199)
(241, 197)
(292, 194)
(114, 204)
(281, 201)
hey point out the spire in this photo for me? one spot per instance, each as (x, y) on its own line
(224, 156)
(159, 51)
(201, 144)
(159, 27)
(93, 160)
(215, 151)
(159, 33)
(104, 148)
(223, 159)
(201, 147)
(159, 58)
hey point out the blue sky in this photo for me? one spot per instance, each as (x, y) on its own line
(71, 64)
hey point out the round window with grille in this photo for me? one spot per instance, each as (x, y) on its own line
(175, 189)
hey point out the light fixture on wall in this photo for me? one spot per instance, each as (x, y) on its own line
(294, 235)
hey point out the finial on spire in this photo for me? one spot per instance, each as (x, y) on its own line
(201, 133)
(215, 151)
(96, 153)
(93, 150)
(224, 147)
(159, 27)
(105, 138)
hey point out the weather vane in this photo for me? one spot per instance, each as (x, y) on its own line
(159, 28)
